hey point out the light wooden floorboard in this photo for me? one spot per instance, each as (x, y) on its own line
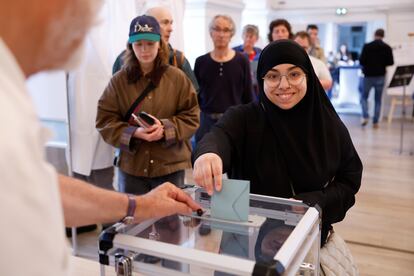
(382, 262)
(380, 227)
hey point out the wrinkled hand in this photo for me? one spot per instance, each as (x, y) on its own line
(208, 170)
(152, 133)
(165, 200)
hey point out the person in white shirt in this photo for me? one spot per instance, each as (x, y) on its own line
(321, 70)
(36, 203)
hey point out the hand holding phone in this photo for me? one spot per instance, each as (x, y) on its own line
(143, 119)
(146, 118)
(150, 128)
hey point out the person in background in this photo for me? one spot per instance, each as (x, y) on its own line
(291, 143)
(223, 75)
(374, 59)
(344, 57)
(35, 202)
(321, 70)
(151, 152)
(315, 49)
(279, 29)
(334, 71)
(250, 36)
(176, 58)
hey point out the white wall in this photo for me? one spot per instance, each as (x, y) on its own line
(197, 18)
(196, 39)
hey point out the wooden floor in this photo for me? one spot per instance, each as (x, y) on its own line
(380, 227)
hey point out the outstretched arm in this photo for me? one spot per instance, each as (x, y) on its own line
(86, 204)
(213, 155)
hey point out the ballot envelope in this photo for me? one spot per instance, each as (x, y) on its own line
(280, 237)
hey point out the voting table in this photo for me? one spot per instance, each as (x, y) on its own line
(280, 237)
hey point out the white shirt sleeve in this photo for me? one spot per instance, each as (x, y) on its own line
(321, 69)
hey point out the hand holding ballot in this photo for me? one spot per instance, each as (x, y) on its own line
(229, 197)
(207, 173)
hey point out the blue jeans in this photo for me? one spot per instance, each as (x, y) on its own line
(378, 84)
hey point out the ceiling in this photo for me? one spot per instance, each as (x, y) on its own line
(350, 4)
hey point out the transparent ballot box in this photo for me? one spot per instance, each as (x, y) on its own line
(281, 237)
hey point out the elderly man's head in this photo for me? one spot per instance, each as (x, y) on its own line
(164, 18)
(222, 29)
(46, 34)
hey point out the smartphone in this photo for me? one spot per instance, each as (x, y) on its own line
(146, 118)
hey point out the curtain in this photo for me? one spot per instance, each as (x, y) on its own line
(86, 84)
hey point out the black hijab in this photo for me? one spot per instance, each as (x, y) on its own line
(308, 134)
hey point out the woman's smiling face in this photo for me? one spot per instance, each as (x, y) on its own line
(285, 85)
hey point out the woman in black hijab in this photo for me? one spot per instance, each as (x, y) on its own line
(291, 143)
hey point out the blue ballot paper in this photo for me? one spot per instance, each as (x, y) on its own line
(232, 202)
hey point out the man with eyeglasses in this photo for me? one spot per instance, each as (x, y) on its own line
(222, 74)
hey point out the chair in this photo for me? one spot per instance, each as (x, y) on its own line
(397, 100)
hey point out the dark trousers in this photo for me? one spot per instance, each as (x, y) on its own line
(102, 178)
(138, 185)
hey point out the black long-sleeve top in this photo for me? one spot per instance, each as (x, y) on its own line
(244, 140)
(223, 84)
(375, 57)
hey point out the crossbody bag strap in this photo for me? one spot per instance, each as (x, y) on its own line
(131, 109)
(144, 93)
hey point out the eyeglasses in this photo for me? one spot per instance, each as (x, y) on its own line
(274, 79)
(219, 30)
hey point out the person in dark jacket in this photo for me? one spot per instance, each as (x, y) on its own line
(375, 57)
(290, 144)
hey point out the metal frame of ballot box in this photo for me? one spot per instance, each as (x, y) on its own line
(121, 247)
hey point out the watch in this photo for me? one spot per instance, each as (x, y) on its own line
(132, 204)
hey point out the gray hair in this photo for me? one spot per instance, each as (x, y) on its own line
(225, 17)
(251, 29)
